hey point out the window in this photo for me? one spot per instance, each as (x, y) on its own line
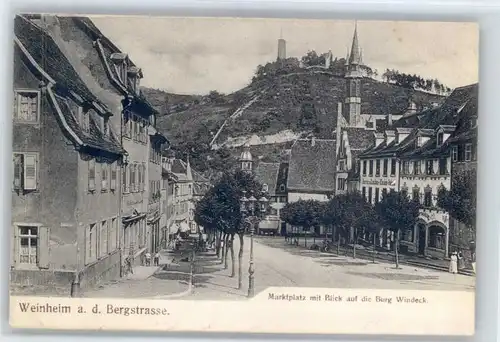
(103, 239)
(112, 236)
(377, 195)
(393, 167)
(416, 194)
(25, 171)
(105, 126)
(139, 177)
(91, 174)
(454, 153)
(377, 167)
(125, 181)
(370, 194)
(113, 177)
(84, 119)
(384, 192)
(416, 167)
(91, 244)
(104, 177)
(428, 197)
(468, 152)
(386, 166)
(363, 192)
(442, 166)
(132, 178)
(429, 167)
(371, 168)
(127, 124)
(364, 167)
(341, 165)
(406, 167)
(282, 187)
(440, 137)
(27, 106)
(28, 245)
(341, 184)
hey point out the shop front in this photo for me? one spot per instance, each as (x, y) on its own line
(430, 235)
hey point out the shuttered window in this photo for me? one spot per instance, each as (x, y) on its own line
(125, 181)
(91, 175)
(27, 106)
(30, 246)
(103, 239)
(25, 171)
(113, 176)
(104, 177)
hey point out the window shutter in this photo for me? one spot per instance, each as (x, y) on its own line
(14, 252)
(30, 171)
(91, 174)
(18, 170)
(113, 176)
(43, 247)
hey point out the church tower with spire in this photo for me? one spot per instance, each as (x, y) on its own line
(353, 76)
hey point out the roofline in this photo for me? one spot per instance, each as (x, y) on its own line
(61, 116)
(117, 84)
(32, 60)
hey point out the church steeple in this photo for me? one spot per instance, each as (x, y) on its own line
(355, 56)
(353, 82)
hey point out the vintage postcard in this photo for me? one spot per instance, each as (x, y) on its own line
(244, 175)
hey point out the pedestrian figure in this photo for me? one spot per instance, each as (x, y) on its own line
(461, 261)
(128, 265)
(454, 263)
(157, 258)
(148, 259)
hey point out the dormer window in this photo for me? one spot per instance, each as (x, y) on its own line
(105, 126)
(265, 188)
(121, 66)
(440, 138)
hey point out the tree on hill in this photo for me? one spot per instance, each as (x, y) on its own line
(397, 211)
(460, 203)
(312, 58)
(215, 97)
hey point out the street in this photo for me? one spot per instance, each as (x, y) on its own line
(277, 264)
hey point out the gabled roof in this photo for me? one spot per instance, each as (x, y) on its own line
(50, 58)
(461, 103)
(312, 166)
(43, 54)
(359, 138)
(267, 174)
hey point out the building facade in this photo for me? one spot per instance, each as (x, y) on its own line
(64, 144)
(417, 159)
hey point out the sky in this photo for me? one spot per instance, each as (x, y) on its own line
(197, 55)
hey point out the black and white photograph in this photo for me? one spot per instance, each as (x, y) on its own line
(211, 159)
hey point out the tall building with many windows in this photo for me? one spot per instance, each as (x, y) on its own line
(66, 162)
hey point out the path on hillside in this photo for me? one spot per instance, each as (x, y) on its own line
(238, 112)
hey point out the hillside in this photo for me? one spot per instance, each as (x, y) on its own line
(300, 101)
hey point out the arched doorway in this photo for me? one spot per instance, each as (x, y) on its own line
(421, 237)
(437, 236)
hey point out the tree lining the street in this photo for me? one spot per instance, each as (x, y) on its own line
(397, 210)
(460, 203)
(303, 214)
(219, 211)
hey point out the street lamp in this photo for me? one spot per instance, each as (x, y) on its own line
(252, 209)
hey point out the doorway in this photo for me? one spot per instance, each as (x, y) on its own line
(421, 239)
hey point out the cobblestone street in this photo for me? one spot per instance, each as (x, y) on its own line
(296, 267)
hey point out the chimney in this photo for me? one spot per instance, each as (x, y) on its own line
(389, 119)
(379, 138)
(313, 141)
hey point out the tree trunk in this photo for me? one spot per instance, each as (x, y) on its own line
(240, 262)
(226, 250)
(338, 244)
(217, 243)
(374, 245)
(396, 249)
(354, 244)
(233, 266)
(223, 248)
